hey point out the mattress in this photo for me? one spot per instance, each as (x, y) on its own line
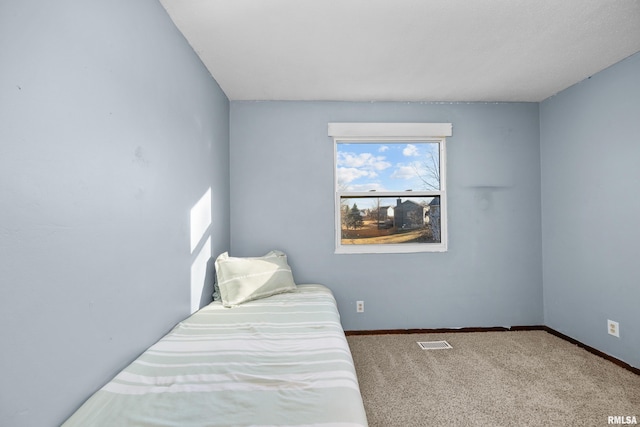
(277, 361)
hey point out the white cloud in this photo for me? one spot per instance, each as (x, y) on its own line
(410, 150)
(383, 148)
(404, 172)
(363, 160)
(353, 166)
(346, 175)
(367, 187)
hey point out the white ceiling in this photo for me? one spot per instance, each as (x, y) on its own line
(406, 50)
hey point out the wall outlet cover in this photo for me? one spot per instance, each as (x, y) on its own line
(613, 328)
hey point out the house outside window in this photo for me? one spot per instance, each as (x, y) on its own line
(390, 187)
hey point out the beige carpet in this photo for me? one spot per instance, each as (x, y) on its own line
(509, 379)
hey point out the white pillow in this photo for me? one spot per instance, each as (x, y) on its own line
(244, 279)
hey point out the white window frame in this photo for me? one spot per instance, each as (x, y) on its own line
(391, 133)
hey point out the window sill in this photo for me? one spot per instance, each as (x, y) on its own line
(391, 249)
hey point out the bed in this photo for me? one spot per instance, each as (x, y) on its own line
(279, 360)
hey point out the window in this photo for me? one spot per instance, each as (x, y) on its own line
(390, 187)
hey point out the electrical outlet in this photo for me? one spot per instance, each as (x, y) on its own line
(360, 306)
(613, 328)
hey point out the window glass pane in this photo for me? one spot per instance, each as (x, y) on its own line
(378, 220)
(388, 166)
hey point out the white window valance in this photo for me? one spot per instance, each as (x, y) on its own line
(389, 130)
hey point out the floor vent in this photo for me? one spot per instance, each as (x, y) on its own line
(434, 345)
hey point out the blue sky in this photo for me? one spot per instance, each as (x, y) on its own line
(386, 166)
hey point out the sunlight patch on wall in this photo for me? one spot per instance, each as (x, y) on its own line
(200, 219)
(199, 274)
(200, 247)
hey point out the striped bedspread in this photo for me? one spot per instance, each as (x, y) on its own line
(278, 361)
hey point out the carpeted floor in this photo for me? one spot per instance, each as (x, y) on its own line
(528, 378)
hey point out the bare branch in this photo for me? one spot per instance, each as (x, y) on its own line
(430, 177)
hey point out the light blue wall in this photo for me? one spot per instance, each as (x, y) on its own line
(590, 151)
(111, 129)
(282, 197)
